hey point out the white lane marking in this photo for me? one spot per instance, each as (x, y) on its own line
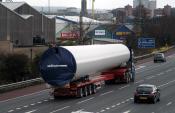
(169, 70)
(102, 111)
(152, 112)
(160, 74)
(85, 100)
(113, 106)
(169, 103)
(140, 81)
(123, 102)
(131, 98)
(127, 111)
(166, 83)
(106, 93)
(51, 98)
(39, 92)
(107, 108)
(32, 104)
(31, 111)
(124, 87)
(140, 67)
(81, 111)
(26, 106)
(127, 100)
(45, 100)
(60, 109)
(150, 77)
(39, 102)
(18, 108)
(10, 111)
(118, 104)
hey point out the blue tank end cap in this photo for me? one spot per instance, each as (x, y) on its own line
(57, 66)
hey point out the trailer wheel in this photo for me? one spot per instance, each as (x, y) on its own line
(89, 90)
(85, 91)
(128, 78)
(93, 89)
(80, 93)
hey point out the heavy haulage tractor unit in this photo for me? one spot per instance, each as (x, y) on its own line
(81, 70)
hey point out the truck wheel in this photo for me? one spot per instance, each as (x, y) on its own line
(80, 93)
(89, 90)
(127, 78)
(85, 91)
(93, 89)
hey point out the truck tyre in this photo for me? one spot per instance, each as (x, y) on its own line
(80, 93)
(127, 79)
(89, 90)
(93, 89)
(85, 91)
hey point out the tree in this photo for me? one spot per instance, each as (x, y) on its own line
(13, 67)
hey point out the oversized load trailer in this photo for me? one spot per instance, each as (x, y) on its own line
(72, 70)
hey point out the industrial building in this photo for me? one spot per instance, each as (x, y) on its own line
(22, 25)
(67, 27)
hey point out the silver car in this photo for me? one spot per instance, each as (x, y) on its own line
(159, 57)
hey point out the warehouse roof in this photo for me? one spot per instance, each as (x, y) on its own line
(26, 16)
(13, 5)
(76, 19)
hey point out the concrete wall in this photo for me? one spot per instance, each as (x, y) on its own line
(5, 47)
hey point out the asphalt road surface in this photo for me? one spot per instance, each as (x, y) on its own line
(116, 98)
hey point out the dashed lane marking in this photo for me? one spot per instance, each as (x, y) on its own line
(102, 111)
(140, 81)
(127, 111)
(85, 100)
(118, 104)
(140, 67)
(10, 111)
(31, 111)
(18, 108)
(150, 77)
(113, 106)
(60, 109)
(45, 100)
(124, 87)
(39, 102)
(166, 83)
(26, 106)
(106, 93)
(169, 103)
(32, 104)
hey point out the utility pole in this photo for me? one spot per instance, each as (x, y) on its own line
(49, 6)
(81, 29)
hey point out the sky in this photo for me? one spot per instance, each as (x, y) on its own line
(99, 4)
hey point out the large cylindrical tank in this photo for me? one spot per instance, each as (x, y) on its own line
(61, 65)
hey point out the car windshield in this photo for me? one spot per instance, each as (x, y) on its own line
(144, 89)
(158, 55)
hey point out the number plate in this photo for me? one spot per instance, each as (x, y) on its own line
(143, 98)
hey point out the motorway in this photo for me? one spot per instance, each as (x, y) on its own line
(116, 98)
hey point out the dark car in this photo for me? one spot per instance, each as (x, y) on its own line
(147, 92)
(159, 57)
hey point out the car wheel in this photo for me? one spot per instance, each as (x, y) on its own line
(135, 100)
(154, 100)
(158, 99)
